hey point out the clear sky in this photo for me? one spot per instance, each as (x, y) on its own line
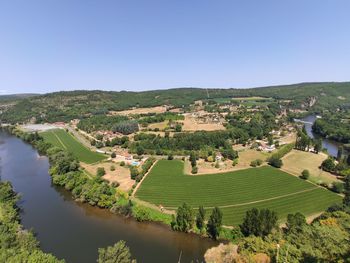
(52, 45)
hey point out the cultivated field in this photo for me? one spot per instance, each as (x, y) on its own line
(234, 192)
(66, 141)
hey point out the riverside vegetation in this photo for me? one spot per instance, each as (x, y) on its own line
(66, 172)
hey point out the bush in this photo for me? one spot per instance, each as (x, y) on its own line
(194, 170)
(122, 163)
(275, 162)
(113, 155)
(170, 157)
(305, 174)
(112, 168)
(256, 163)
(100, 171)
(328, 165)
(141, 214)
(338, 187)
(235, 162)
(133, 172)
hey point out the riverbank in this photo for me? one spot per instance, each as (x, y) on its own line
(75, 230)
(17, 243)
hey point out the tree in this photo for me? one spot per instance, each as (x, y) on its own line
(100, 171)
(140, 150)
(328, 165)
(295, 222)
(346, 200)
(184, 219)
(170, 157)
(214, 223)
(113, 155)
(340, 153)
(134, 172)
(193, 159)
(259, 222)
(200, 218)
(118, 253)
(318, 145)
(275, 161)
(178, 128)
(305, 174)
(270, 139)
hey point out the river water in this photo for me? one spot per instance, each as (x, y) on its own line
(74, 231)
(331, 146)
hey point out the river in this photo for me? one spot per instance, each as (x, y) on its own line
(74, 231)
(331, 146)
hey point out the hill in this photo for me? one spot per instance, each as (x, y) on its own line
(67, 105)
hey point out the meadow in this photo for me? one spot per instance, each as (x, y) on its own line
(66, 141)
(234, 192)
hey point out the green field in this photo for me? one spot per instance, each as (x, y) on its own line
(66, 141)
(234, 192)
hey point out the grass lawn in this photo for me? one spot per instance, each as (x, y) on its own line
(66, 141)
(234, 192)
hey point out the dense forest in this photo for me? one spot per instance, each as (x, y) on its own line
(335, 126)
(67, 105)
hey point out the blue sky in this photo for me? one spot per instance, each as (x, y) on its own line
(52, 45)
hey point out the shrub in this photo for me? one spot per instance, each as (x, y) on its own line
(122, 163)
(194, 170)
(113, 155)
(275, 162)
(133, 172)
(256, 163)
(112, 168)
(338, 187)
(328, 165)
(235, 162)
(170, 157)
(305, 174)
(210, 159)
(115, 184)
(100, 171)
(141, 214)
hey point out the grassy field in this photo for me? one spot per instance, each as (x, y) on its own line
(296, 161)
(234, 192)
(66, 141)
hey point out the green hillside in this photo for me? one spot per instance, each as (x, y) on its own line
(64, 106)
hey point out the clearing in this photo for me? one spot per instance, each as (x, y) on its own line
(297, 161)
(245, 158)
(192, 124)
(64, 140)
(157, 109)
(120, 175)
(234, 192)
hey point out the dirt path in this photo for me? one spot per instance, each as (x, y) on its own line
(143, 178)
(58, 138)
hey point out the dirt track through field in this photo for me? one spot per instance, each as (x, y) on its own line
(64, 146)
(254, 202)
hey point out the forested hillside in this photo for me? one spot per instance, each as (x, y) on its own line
(64, 106)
